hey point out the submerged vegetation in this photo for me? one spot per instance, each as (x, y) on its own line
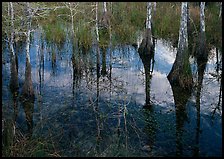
(64, 22)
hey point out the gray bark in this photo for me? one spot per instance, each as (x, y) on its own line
(149, 16)
(12, 30)
(154, 7)
(104, 7)
(183, 36)
(146, 44)
(14, 74)
(97, 28)
(202, 54)
(202, 17)
(72, 18)
(220, 10)
(28, 32)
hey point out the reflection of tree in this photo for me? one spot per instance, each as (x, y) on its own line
(181, 97)
(201, 64)
(104, 71)
(53, 60)
(149, 129)
(14, 87)
(96, 109)
(77, 71)
(28, 106)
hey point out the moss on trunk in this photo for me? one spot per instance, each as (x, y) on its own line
(180, 74)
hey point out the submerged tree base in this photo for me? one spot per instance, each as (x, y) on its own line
(27, 90)
(146, 45)
(180, 74)
(14, 77)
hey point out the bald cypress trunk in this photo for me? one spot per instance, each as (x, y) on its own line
(14, 74)
(146, 46)
(180, 73)
(105, 19)
(27, 90)
(146, 53)
(202, 53)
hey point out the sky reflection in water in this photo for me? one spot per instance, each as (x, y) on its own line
(150, 133)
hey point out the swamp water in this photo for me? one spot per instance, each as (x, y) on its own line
(85, 111)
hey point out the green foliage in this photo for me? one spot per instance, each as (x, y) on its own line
(167, 21)
(54, 33)
(213, 26)
(83, 34)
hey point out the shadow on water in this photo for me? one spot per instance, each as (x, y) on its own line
(150, 130)
(28, 106)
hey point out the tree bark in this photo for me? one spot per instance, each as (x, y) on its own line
(14, 74)
(27, 90)
(104, 68)
(146, 46)
(97, 28)
(104, 7)
(202, 53)
(105, 18)
(180, 73)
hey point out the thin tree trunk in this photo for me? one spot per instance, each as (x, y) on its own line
(220, 10)
(28, 33)
(14, 74)
(72, 18)
(154, 8)
(105, 18)
(104, 7)
(202, 54)
(12, 30)
(9, 8)
(97, 28)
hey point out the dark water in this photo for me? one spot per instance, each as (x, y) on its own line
(85, 114)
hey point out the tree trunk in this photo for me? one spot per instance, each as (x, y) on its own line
(147, 42)
(220, 10)
(104, 68)
(105, 18)
(154, 8)
(14, 74)
(148, 63)
(97, 28)
(104, 7)
(27, 90)
(202, 53)
(180, 73)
